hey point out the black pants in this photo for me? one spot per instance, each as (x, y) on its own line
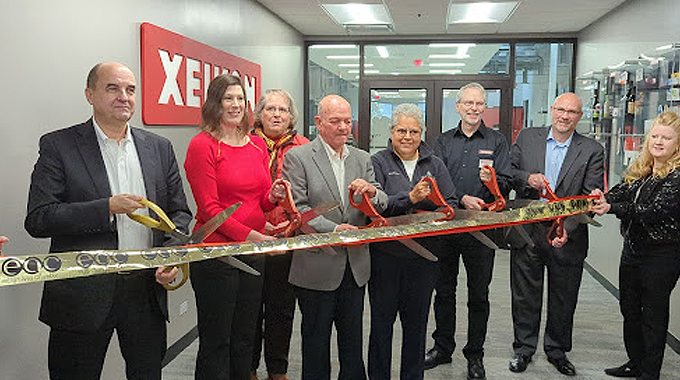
(478, 260)
(227, 301)
(646, 283)
(343, 307)
(139, 324)
(399, 285)
(275, 320)
(527, 272)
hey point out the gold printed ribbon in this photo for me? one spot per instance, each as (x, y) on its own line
(15, 270)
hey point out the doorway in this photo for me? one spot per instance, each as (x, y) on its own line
(437, 98)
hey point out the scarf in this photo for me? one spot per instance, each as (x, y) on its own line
(275, 147)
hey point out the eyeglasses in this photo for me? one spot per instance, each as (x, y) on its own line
(570, 113)
(273, 109)
(470, 103)
(401, 132)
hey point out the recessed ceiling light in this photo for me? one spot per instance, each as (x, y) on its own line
(354, 65)
(484, 12)
(358, 14)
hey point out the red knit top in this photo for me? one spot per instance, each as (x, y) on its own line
(221, 175)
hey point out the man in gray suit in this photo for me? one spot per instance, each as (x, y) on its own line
(87, 178)
(330, 288)
(573, 165)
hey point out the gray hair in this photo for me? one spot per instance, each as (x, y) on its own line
(262, 104)
(408, 110)
(474, 85)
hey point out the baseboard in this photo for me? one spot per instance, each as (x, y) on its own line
(179, 346)
(672, 341)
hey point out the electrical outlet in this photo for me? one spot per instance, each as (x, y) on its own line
(183, 307)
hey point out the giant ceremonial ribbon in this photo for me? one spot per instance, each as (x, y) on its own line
(54, 266)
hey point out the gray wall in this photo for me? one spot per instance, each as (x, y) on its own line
(637, 26)
(47, 49)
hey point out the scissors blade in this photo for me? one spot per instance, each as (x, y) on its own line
(211, 225)
(238, 264)
(421, 217)
(419, 249)
(479, 235)
(318, 211)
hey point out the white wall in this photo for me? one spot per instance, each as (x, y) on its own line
(637, 26)
(47, 49)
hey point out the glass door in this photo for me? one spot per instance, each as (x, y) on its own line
(437, 98)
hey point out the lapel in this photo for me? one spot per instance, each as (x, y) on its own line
(540, 144)
(92, 158)
(146, 161)
(572, 154)
(320, 158)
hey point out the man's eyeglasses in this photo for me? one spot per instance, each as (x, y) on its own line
(401, 132)
(273, 109)
(570, 113)
(470, 103)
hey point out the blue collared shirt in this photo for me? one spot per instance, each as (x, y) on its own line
(555, 152)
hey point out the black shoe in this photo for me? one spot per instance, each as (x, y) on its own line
(519, 363)
(563, 365)
(434, 357)
(476, 369)
(626, 370)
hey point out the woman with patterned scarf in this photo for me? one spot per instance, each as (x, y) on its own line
(275, 117)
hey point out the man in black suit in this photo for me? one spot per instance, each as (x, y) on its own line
(86, 179)
(573, 165)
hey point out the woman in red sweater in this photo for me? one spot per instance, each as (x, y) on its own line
(275, 117)
(225, 165)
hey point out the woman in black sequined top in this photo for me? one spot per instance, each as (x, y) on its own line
(648, 204)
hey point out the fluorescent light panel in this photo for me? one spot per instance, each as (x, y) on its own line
(358, 14)
(438, 71)
(449, 64)
(382, 50)
(483, 12)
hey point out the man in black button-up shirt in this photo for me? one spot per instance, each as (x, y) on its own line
(465, 150)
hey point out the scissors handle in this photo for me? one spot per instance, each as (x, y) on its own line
(437, 198)
(367, 208)
(163, 223)
(492, 184)
(294, 216)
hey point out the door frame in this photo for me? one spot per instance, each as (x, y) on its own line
(434, 87)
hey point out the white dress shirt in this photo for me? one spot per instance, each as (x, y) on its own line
(125, 177)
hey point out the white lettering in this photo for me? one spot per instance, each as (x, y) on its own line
(170, 87)
(193, 83)
(250, 90)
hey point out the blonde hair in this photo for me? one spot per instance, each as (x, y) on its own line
(644, 163)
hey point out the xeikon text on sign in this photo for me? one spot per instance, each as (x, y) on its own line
(176, 72)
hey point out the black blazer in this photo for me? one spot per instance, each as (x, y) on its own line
(581, 172)
(69, 202)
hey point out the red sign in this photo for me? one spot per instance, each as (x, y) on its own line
(176, 72)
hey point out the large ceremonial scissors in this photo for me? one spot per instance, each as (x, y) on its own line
(164, 224)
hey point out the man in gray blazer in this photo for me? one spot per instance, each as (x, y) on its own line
(86, 179)
(573, 165)
(330, 288)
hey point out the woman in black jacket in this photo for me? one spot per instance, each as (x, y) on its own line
(648, 204)
(401, 281)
